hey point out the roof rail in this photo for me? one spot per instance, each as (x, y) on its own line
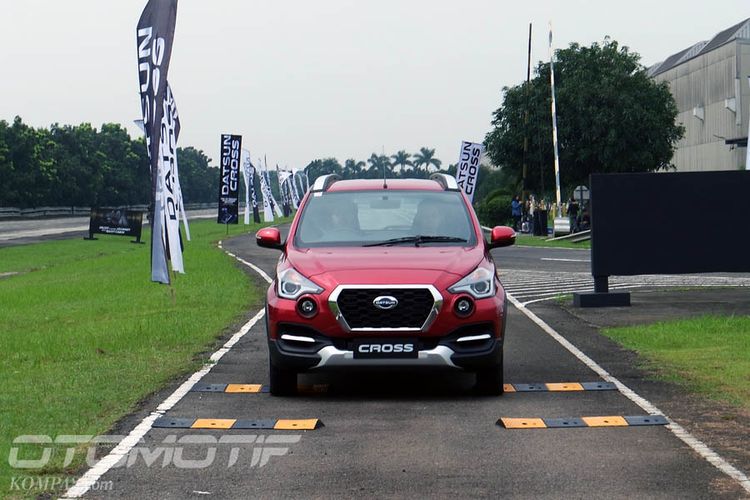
(323, 182)
(447, 181)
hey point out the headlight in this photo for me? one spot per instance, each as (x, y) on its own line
(291, 284)
(480, 283)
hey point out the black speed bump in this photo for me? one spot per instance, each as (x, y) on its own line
(599, 386)
(255, 424)
(564, 422)
(174, 423)
(201, 387)
(647, 420)
(530, 387)
(561, 387)
(558, 423)
(232, 424)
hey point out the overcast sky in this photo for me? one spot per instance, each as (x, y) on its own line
(306, 79)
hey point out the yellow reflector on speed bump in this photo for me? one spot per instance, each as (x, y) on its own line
(613, 421)
(523, 423)
(508, 388)
(567, 386)
(243, 388)
(213, 423)
(296, 425)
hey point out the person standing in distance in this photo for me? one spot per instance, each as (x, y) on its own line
(516, 212)
(573, 209)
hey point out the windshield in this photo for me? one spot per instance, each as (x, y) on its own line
(357, 218)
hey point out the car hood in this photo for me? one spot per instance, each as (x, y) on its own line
(397, 264)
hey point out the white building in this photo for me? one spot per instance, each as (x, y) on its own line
(711, 86)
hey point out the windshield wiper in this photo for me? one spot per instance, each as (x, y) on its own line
(417, 240)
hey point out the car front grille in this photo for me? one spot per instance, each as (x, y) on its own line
(415, 305)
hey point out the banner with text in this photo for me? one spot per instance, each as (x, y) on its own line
(154, 35)
(468, 167)
(116, 221)
(168, 192)
(292, 186)
(274, 204)
(251, 201)
(229, 182)
(265, 190)
(178, 189)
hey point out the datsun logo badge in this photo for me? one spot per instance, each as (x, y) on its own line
(385, 302)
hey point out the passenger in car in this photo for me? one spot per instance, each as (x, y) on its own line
(344, 216)
(427, 219)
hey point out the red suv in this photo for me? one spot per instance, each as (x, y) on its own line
(389, 273)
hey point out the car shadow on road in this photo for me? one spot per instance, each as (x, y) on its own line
(388, 384)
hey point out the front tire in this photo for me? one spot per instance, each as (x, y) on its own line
(283, 382)
(490, 380)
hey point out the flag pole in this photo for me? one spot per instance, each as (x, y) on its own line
(524, 186)
(554, 123)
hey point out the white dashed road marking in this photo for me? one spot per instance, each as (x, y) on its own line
(529, 286)
(565, 260)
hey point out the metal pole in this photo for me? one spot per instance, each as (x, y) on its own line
(554, 123)
(525, 188)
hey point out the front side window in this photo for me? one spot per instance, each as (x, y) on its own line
(357, 218)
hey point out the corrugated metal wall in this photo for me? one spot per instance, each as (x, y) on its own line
(706, 82)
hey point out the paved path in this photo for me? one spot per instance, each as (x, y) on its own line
(34, 230)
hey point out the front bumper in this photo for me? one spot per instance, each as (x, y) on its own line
(482, 349)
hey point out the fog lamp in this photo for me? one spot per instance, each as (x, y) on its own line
(307, 307)
(464, 306)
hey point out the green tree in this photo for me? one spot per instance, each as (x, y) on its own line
(378, 163)
(494, 210)
(492, 181)
(25, 165)
(78, 161)
(353, 168)
(6, 167)
(611, 117)
(402, 159)
(199, 182)
(122, 166)
(426, 158)
(316, 168)
(68, 165)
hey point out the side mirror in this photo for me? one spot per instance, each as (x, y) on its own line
(502, 236)
(269, 237)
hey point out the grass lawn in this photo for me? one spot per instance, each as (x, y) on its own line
(709, 355)
(540, 241)
(85, 334)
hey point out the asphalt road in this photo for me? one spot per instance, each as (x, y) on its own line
(25, 231)
(412, 434)
(34, 230)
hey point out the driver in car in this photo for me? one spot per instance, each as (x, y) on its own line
(433, 219)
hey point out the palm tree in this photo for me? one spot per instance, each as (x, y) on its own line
(353, 168)
(402, 158)
(377, 164)
(426, 157)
